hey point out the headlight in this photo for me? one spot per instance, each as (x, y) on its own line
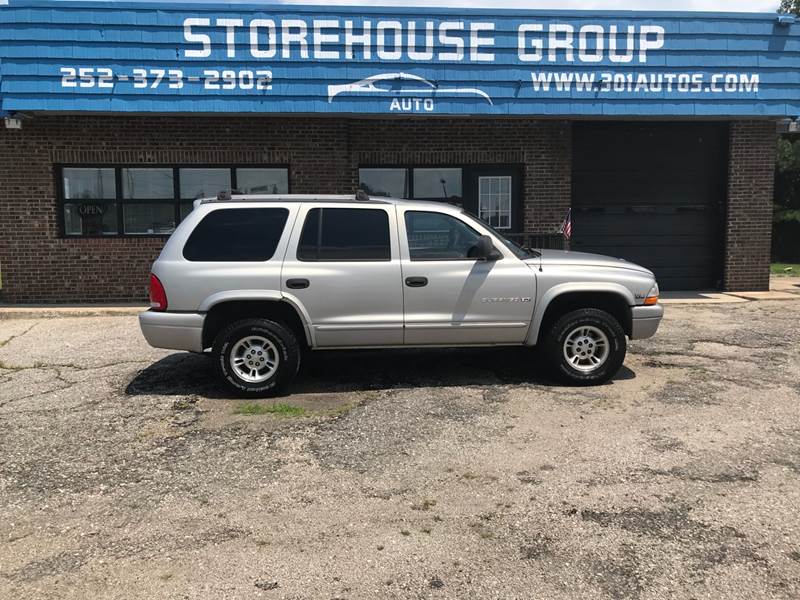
(652, 296)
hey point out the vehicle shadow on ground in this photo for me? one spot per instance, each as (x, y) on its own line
(362, 370)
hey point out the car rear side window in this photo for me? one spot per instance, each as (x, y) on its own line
(236, 235)
(345, 234)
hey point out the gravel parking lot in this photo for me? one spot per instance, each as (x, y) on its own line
(126, 472)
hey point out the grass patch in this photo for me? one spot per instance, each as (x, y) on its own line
(788, 269)
(278, 409)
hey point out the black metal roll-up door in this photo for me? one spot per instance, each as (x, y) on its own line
(652, 193)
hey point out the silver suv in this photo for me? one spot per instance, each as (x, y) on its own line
(257, 280)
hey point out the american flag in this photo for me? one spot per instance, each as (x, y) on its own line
(566, 226)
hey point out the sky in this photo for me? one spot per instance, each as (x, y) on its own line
(701, 5)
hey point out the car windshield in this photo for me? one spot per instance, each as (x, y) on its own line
(518, 250)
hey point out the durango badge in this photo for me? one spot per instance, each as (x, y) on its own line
(505, 300)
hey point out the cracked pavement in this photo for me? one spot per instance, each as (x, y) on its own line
(124, 472)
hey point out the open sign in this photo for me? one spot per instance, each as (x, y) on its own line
(91, 210)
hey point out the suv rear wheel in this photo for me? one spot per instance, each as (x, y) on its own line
(585, 347)
(257, 357)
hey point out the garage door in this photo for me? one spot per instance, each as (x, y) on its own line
(652, 193)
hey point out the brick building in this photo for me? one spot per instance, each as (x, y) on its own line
(112, 129)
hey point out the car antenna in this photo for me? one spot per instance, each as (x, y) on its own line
(540, 261)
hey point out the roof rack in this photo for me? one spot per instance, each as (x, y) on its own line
(359, 196)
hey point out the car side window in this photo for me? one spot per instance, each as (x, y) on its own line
(236, 235)
(345, 234)
(437, 236)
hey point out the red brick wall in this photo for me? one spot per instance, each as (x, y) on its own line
(323, 156)
(748, 230)
(542, 148)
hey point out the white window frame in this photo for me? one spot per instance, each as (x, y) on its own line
(504, 201)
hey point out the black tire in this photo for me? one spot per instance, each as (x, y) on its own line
(556, 336)
(284, 342)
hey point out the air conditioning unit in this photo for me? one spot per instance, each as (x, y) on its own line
(13, 123)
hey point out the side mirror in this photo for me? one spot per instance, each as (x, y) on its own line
(485, 250)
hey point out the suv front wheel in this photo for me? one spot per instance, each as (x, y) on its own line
(257, 357)
(585, 347)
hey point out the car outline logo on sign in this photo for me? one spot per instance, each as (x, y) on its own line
(369, 85)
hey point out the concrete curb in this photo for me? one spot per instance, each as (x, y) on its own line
(31, 311)
(676, 298)
(781, 288)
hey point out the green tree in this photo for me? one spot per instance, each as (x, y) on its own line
(787, 177)
(790, 6)
(786, 225)
(787, 172)
(786, 229)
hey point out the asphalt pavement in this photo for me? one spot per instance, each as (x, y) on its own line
(128, 472)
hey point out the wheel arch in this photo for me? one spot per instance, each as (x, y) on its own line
(279, 309)
(613, 299)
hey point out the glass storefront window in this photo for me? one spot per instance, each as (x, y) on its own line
(438, 184)
(149, 219)
(91, 219)
(424, 183)
(262, 181)
(204, 183)
(146, 202)
(147, 184)
(89, 184)
(186, 208)
(384, 182)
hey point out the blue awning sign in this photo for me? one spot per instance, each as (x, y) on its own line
(237, 58)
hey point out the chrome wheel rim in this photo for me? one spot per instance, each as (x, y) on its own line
(586, 348)
(254, 358)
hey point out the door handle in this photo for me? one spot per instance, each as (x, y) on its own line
(297, 284)
(416, 281)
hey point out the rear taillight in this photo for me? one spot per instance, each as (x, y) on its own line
(158, 297)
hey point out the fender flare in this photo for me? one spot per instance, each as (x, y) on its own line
(556, 291)
(263, 295)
